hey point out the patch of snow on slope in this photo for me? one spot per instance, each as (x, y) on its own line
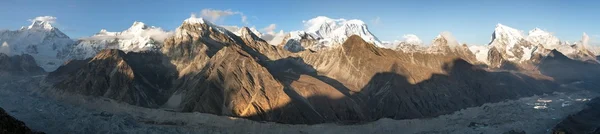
(481, 53)
(540, 37)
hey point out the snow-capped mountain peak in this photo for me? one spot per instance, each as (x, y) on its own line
(194, 20)
(412, 39)
(538, 36)
(48, 45)
(138, 37)
(509, 42)
(326, 33)
(408, 43)
(137, 27)
(508, 35)
(445, 39)
(40, 25)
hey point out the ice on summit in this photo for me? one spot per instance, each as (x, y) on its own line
(139, 37)
(329, 33)
(517, 47)
(540, 37)
(48, 45)
(193, 20)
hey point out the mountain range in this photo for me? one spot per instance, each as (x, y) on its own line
(334, 71)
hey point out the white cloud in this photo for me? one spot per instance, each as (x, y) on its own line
(216, 15)
(232, 28)
(244, 19)
(274, 38)
(412, 39)
(270, 29)
(155, 33)
(50, 19)
(376, 21)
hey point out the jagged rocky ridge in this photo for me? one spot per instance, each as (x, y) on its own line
(205, 68)
(510, 46)
(136, 78)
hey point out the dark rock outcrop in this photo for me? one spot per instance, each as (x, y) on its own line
(10, 125)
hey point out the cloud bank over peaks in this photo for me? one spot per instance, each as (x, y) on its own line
(219, 15)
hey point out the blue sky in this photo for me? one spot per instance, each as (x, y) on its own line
(470, 21)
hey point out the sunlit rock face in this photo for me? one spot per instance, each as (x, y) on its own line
(206, 68)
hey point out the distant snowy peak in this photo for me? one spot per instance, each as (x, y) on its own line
(338, 30)
(445, 39)
(47, 44)
(138, 37)
(542, 38)
(329, 33)
(239, 30)
(202, 25)
(505, 36)
(511, 44)
(39, 25)
(408, 43)
(412, 39)
(194, 20)
(516, 47)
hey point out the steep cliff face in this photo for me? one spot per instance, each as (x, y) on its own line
(234, 84)
(194, 43)
(138, 79)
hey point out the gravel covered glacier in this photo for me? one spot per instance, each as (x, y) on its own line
(53, 112)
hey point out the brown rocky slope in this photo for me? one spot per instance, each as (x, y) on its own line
(217, 72)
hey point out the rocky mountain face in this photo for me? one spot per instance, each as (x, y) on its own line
(135, 78)
(207, 68)
(19, 65)
(221, 73)
(49, 46)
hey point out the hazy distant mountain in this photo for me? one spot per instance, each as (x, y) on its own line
(139, 37)
(513, 46)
